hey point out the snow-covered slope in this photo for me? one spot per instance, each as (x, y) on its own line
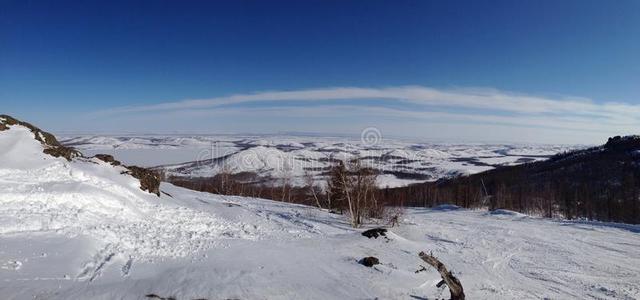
(83, 230)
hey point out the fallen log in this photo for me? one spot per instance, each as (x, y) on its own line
(455, 287)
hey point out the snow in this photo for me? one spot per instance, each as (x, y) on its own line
(83, 230)
(507, 213)
(18, 147)
(445, 207)
(277, 157)
(390, 181)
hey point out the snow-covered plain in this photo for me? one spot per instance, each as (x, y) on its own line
(83, 230)
(401, 162)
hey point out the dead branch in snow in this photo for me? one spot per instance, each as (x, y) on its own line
(455, 287)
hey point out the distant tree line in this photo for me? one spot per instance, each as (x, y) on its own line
(600, 183)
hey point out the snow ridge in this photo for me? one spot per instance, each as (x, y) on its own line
(40, 193)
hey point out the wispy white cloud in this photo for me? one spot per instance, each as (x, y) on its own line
(421, 104)
(374, 114)
(489, 99)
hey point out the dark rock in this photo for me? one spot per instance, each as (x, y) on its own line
(108, 159)
(66, 152)
(154, 296)
(375, 232)
(149, 180)
(48, 140)
(369, 261)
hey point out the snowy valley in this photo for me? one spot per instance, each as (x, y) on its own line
(330, 150)
(272, 158)
(84, 229)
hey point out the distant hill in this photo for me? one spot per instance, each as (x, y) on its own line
(599, 183)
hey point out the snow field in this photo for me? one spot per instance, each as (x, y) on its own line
(83, 230)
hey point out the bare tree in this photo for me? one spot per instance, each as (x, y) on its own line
(286, 182)
(311, 187)
(358, 186)
(222, 180)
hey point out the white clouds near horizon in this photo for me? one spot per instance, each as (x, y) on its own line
(419, 104)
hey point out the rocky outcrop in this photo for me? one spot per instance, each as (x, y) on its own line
(108, 159)
(375, 233)
(149, 180)
(48, 140)
(369, 261)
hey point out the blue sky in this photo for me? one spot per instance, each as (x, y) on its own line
(525, 71)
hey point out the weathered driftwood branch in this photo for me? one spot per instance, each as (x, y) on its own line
(455, 287)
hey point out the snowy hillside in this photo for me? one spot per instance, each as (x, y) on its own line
(400, 162)
(81, 229)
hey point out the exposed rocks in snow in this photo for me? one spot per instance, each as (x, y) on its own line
(375, 232)
(149, 180)
(50, 143)
(154, 296)
(108, 159)
(62, 151)
(86, 219)
(422, 269)
(369, 261)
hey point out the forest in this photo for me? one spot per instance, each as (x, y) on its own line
(599, 183)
